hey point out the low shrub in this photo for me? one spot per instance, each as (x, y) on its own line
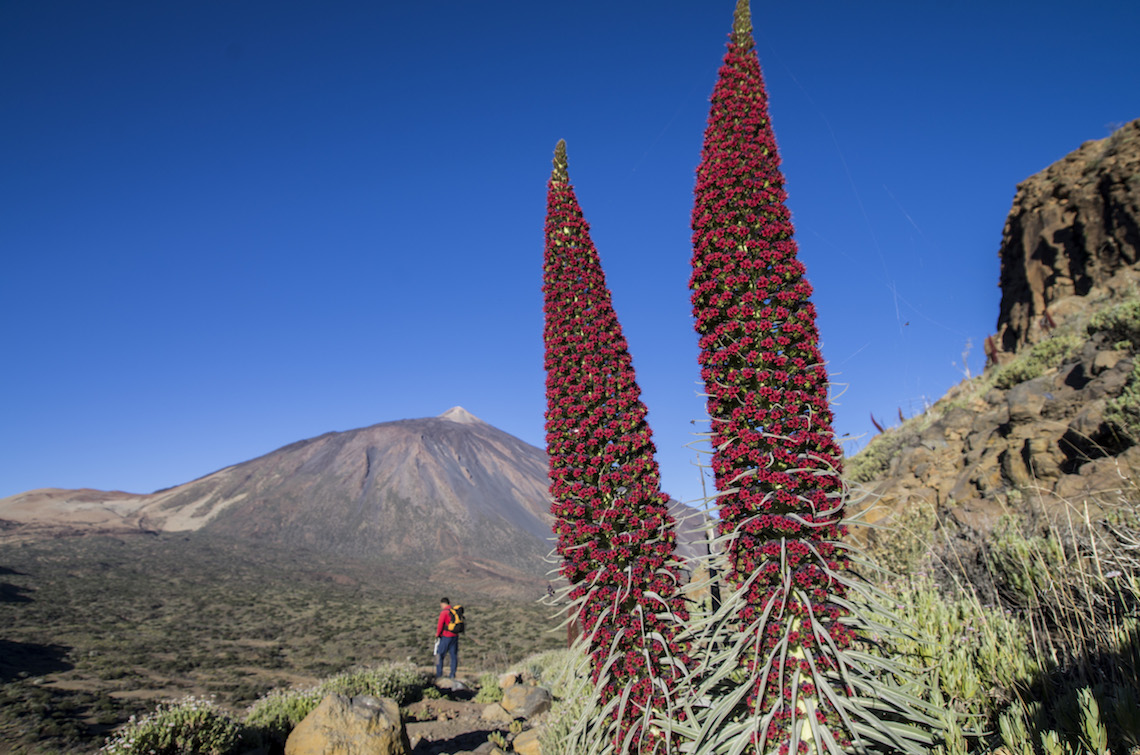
(980, 653)
(904, 543)
(1034, 361)
(278, 712)
(1023, 565)
(489, 690)
(402, 682)
(1123, 412)
(1075, 587)
(554, 669)
(874, 459)
(1120, 323)
(565, 672)
(188, 725)
(568, 712)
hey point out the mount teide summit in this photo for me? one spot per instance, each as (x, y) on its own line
(421, 490)
(450, 497)
(442, 493)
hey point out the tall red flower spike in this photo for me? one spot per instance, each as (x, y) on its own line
(775, 459)
(615, 534)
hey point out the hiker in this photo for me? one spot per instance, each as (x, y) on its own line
(448, 641)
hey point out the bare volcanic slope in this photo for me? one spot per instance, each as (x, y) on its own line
(421, 491)
(450, 495)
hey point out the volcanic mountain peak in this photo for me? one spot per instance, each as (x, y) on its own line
(461, 415)
(451, 494)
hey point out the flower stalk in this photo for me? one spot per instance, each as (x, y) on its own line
(775, 461)
(615, 533)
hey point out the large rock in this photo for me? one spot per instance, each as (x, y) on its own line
(527, 743)
(496, 714)
(1027, 400)
(341, 725)
(1073, 231)
(524, 700)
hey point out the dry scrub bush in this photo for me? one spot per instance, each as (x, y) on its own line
(190, 725)
(1123, 411)
(1036, 360)
(1120, 323)
(1053, 667)
(489, 690)
(279, 711)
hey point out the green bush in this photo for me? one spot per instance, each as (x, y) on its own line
(1121, 323)
(575, 704)
(489, 690)
(565, 672)
(557, 670)
(190, 725)
(277, 713)
(1123, 412)
(1075, 590)
(1023, 566)
(904, 543)
(874, 459)
(400, 681)
(977, 651)
(1038, 358)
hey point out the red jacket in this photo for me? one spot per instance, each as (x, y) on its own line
(441, 625)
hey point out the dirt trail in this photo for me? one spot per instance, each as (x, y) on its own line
(448, 725)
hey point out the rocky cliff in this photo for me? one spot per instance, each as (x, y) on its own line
(1073, 232)
(1051, 426)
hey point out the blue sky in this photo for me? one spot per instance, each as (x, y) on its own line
(228, 226)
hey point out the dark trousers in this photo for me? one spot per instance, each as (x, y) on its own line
(447, 646)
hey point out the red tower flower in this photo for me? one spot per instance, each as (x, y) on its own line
(615, 534)
(775, 459)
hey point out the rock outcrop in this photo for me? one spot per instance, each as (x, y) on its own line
(1074, 231)
(526, 701)
(341, 725)
(1040, 431)
(982, 453)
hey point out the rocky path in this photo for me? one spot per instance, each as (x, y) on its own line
(455, 723)
(449, 725)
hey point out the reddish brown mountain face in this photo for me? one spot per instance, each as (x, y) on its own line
(450, 495)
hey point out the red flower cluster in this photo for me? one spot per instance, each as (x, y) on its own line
(615, 534)
(775, 453)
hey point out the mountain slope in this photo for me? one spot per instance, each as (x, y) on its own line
(451, 495)
(422, 490)
(417, 490)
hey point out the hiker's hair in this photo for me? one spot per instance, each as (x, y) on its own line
(445, 600)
